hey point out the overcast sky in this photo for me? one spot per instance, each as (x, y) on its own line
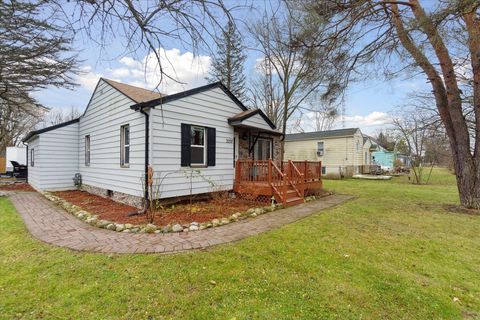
(367, 104)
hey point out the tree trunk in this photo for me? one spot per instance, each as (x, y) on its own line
(448, 102)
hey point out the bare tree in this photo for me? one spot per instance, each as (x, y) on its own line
(35, 51)
(149, 25)
(59, 115)
(17, 118)
(299, 71)
(413, 128)
(432, 41)
(322, 114)
(266, 93)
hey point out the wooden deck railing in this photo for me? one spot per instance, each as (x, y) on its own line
(290, 175)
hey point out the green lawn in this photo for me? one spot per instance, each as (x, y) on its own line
(392, 253)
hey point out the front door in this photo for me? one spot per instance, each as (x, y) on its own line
(262, 149)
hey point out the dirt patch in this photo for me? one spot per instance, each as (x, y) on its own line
(462, 210)
(16, 187)
(200, 211)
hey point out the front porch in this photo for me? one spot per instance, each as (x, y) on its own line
(287, 182)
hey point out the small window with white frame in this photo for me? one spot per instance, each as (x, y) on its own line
(125, 146)
(32, 157)
(87, 150)
(320, 149)
(198, 146)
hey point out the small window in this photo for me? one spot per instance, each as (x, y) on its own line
(324, 170)
(32, 158)
(320, 150)
(198, 149)
(366, 157)
(87, 151)
(125, 145)
(358, 146)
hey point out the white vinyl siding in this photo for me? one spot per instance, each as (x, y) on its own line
(56, 158)
(337, 151)
(257, 121)
(210, 108)
(107, 111)
(33, 172)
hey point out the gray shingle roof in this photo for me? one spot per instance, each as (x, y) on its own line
(320, 134)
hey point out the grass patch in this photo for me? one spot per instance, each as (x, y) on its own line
(392, 253)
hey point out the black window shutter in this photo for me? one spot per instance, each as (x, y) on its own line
(185, 158)
(211, 141)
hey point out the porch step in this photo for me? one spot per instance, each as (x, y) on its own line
(294, 200)
(291, 192)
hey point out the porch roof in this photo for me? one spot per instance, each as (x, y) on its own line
(240, 118)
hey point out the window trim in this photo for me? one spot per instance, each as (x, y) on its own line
(204, 146)
(87, 150)
(32, 157)
(323, 149)
(123, 146)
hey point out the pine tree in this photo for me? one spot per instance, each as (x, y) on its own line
(228, 63)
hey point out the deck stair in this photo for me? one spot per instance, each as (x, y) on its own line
(286, 181)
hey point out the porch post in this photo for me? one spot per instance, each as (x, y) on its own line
(270, 171)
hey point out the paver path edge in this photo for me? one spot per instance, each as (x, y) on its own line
(51, 224)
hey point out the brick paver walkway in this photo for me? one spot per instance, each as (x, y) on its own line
(53, 225)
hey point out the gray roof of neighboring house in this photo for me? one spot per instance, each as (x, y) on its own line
(321, 134)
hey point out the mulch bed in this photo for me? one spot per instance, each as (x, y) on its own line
(201, 211)
(17, 187)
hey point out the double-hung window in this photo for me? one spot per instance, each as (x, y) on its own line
(198, 146)
(320, 149)
(32, 157)
(87, 150)
(125, 145)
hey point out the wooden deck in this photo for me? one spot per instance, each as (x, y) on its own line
(288, 183)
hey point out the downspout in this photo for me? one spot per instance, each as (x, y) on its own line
(27, 160)
(147, 146)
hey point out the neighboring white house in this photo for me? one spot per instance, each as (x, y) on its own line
(342, 151)
(125, 129)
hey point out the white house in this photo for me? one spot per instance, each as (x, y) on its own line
(126, 129)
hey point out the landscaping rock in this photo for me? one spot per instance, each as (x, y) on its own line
(150, 228)
(177, 228)
(215, 222)
(128, 226)
(120, 227)
(111, 226)
(193, 227)
(225, 221)
(259, 211)
(158, 231)
(167, 228)
(253, 215)
(102, 223)
(135, 230)
(251, 210)
(127, 231)
(194, 223)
